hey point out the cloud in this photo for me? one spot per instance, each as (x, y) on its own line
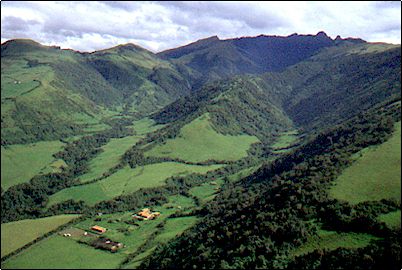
(157, 26)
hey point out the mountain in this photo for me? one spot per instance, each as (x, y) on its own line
(49, 93)
(251, 55)
(320, 91)
(257, 152)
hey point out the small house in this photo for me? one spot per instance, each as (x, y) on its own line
(98, 229)
(146, 214)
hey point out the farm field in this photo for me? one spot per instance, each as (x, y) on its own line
(58, 252)
(392, 219)
(141, 237)
(332, 240)
(375, 175)
(21, 162)
(109, 157)
(19, 233)
(198, 141)
(127, 180)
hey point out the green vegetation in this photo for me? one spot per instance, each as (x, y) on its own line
(284, 141)
(19, 163)
(145, 126)
(58, 252)
(174, 227)
(109, 158)
(126, 181)
(332, 240)
(375, 175)
(198, 141)
(392, 219)
(16, 234)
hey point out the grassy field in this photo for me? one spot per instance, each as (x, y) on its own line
(58, 252)
(127, 180)
(19, 233)
(109, 157)
(392, 219)
(375, 175)
(20, 162)
(286, 139)
(145, 126)
(206, 192)
(332, 240)
(198, 141)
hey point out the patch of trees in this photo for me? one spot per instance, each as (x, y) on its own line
(256, 222)
(27, 200)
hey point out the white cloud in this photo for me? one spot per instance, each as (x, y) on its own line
(157, 26)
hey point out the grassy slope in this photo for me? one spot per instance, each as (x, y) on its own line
(392, 219)
(42, 100)
(58, 252)
(375, 175)
(285, 140)
(127, 180)
(109, 157)
(198, 141)
(19, 163)
(19, 233)
(332, 240)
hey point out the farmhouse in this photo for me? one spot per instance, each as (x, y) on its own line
(98, 229)
(146, 214)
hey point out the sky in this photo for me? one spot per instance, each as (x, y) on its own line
(161, 25)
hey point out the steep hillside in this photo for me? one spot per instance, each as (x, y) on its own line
(213, 58)
(271, 218)
(330, 87)
(339, 82)
(144, 81)
(48, 93)
(240, 105)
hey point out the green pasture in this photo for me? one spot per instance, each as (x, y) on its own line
(20, 162)
(110, 157)
(58, 252)
(392, 219)
(332, 240)
(126, 181)
(198, 141)
(16, 234)
(375, 175)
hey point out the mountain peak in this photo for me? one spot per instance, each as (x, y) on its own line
(322, 34)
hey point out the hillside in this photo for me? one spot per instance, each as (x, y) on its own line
(257, 152)
(48, 93)
(247, 55)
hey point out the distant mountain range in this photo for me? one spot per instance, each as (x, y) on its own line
(63, 92)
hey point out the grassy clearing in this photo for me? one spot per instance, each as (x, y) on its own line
(109, 157)
(16, 80)
(145, 126)
(286, 139)
(19, 163)
(127, 180)
(375, 175)
(392, 219)
(332, 240)
(174, 227)
(198, 141)
(19, 233)
(58, 252)
(206, 192)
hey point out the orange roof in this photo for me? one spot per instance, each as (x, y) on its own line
(98, 228)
